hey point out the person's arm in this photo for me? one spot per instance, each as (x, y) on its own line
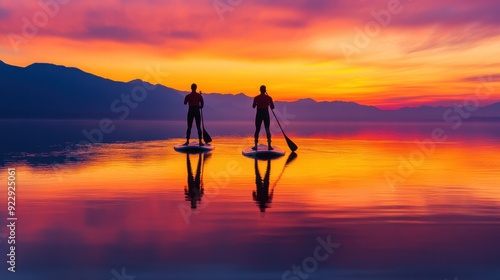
(254, 103)
(202, 102)
(271, 103)
(186, 99)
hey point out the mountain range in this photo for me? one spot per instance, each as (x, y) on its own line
(47, 91)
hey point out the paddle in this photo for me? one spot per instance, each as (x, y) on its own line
(289, 160)
(290, 143)
(206, 136)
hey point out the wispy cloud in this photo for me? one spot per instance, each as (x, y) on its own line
(491, 78)
(278, 41)
(457, 23)
(458, 38)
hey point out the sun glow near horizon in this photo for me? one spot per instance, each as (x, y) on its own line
(427, 54)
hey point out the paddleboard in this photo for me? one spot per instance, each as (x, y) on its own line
(194, 148)
(263, 152)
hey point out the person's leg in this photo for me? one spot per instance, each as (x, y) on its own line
(258, 125)
(197, 117)
(267, 124)
(190, 125)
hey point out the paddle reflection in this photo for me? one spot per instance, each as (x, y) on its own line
(262, 195)
(194, 190)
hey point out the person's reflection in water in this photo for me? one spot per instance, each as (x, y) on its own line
(194, 189)
(261, 195)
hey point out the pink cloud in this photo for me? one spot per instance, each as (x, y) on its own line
(267, 25)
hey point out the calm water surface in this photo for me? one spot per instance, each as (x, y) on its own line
(390, 210)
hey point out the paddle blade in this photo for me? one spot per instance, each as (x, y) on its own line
(290, 143)
(206, 137)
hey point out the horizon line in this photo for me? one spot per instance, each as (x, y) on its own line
(442, 103)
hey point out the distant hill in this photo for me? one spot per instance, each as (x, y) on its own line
(47, 91)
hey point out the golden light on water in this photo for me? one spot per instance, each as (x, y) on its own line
(339, 171)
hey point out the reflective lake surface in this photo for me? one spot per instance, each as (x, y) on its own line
(357, 201)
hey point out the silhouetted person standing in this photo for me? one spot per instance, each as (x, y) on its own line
(261, 195)
(263, 101)
(196, 103)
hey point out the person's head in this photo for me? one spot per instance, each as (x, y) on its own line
(263, 89)
(194, 87)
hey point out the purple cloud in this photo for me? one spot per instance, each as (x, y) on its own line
(4, 14)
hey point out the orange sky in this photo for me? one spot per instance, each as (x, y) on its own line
(416, 53)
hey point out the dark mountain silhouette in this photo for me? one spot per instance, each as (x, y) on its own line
(47, 91)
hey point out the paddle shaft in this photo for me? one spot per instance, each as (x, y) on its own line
(202, 122)
(289, 142)
(272, 110)
(201, 113)
(206, 136)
